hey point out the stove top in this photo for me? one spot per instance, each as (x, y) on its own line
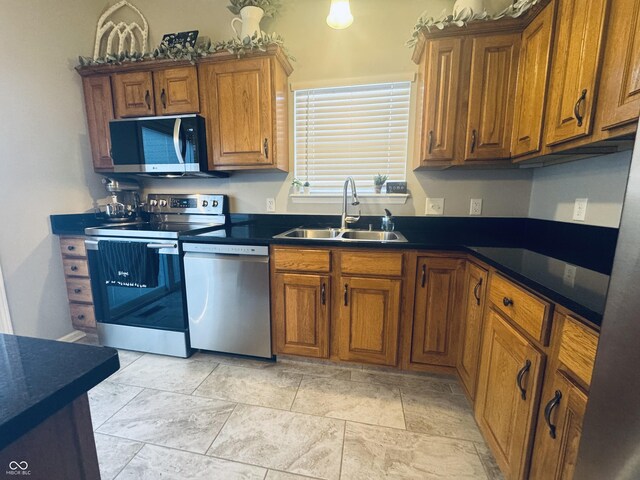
(151, 230)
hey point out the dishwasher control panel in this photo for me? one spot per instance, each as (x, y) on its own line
(226, 249)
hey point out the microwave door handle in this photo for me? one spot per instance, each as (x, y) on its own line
(176, 140)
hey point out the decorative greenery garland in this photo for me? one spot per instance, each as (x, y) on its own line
(179, 52)
(463, 18)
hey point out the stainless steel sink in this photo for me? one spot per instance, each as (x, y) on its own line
(338, 235)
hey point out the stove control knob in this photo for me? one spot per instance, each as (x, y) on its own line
(153, 203)
(205, 203)
(163, 203)
(215, 203)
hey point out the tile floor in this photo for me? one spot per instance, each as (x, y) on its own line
(224, 417)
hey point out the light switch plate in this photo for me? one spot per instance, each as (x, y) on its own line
(569, 277)
(434, 206)
(271, 205)
(580, 209)
(476, 206)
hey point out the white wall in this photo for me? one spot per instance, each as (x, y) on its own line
(44, 152)
(602, 180)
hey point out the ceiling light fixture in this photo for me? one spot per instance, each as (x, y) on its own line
(339, 15)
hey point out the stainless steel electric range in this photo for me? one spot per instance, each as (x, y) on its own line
(150, 318)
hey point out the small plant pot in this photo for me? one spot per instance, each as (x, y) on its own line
(378, 188)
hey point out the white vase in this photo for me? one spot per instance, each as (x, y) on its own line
(464, 9)
(250, 19)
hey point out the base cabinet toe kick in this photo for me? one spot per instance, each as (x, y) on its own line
(524, 361)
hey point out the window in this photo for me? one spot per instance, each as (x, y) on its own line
(356, 131)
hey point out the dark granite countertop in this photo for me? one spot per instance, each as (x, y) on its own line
(540, 254)
(39, 377)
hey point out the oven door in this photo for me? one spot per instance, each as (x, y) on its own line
(160, 308)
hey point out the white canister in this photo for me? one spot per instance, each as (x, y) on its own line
(464, 9)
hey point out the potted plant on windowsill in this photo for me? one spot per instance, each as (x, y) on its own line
(379, 181)
(251, 13)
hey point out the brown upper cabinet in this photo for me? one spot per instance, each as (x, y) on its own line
(533, 76)
(99, 106)
(164, 92)
(494, 67)
(577, 53)
(245, 102)
(620, 84)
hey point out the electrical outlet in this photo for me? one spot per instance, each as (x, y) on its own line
(271, 204)
(476, 206)
(580, 209)
(569, 277)
(434, 206)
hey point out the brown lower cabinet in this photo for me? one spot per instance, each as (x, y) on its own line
(301, 307)
(508, 393)
(369, 319)
(76, 271)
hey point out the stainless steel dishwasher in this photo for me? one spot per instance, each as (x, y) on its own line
(228, 298)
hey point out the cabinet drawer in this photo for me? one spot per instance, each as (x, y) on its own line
(79, 290)
(577, 352)
(524, 308)
(75, 267)
(302, 260)
(82, 315)
(388, 264)
(73, 246)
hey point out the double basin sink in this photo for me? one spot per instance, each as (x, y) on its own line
(339, 235)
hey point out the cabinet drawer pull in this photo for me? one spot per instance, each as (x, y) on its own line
(430, 141)
(163, 98)
(507, 302)
(476, 293)
(473, 140)
(323, 294)
(77, 290)
(553, 403)
(346, 294)
(576, 108)
(266, 148)
(71, 248)
(147, 99)
(74, 268)
(521, 374)
(423, 280)
(81, 317)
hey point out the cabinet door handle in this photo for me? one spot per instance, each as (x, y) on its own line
(507, 302)
(430, 141)
(323, 294)
(163, 98)
(147, 99)
(476, 292)
(266, 148)
(77, 290)
(423, 279)
(346, 294)
(553, 403)
(473, 140)
(576, 108)
(521, 374)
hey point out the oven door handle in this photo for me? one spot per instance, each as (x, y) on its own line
(91, 244)
(160, 246)
(176, 140)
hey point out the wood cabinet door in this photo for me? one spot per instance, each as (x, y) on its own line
(176, 91)
(369, 319)
(531, 88)
(133, 94)
(442, 71)
(508, 394)
(237, 104)
(494, 68)
(301, 311)
(475, 298)
(436, 315)
(99, 105)
(559, 430)
(620, 84)
(575, 68)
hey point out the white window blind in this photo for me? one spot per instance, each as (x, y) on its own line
(356, 131)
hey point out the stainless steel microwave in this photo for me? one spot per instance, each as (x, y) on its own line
(171, 145)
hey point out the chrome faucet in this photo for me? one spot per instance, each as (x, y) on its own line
(346, 219)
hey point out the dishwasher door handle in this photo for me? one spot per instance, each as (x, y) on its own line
(229, 257)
